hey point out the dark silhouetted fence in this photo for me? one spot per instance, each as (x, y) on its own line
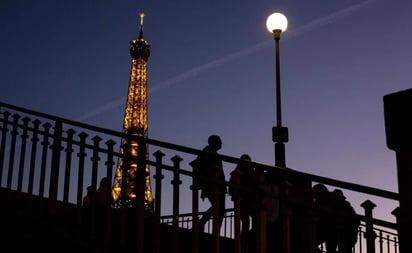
(47, 162)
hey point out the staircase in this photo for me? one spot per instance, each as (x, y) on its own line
(47, 162)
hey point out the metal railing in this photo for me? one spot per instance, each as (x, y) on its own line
(55, 159)
(385, 239)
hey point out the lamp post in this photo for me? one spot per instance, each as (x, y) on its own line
(277, 23)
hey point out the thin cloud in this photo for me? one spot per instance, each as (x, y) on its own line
(97, 111)
(316, 24)
(327, 20)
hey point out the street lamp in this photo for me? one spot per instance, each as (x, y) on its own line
(277, 23)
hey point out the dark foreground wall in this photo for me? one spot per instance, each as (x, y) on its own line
(398, 127)
(26, 225)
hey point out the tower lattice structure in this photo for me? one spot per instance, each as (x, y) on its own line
(135, 123)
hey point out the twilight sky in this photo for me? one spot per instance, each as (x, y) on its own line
(212, 71)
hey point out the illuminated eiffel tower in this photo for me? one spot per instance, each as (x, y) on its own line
(135, 123)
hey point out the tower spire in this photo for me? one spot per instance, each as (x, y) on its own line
(142, 15)
(135, 123)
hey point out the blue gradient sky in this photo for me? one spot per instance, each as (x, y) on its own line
(211, 70)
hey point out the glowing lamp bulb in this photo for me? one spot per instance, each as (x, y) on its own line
(276, 21)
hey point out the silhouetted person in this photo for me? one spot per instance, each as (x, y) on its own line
(347, 223)
(211, 167)
(103, 194)
(87, 200)
(102, 199)
(244, 176)
(338, 222)
(325, 227)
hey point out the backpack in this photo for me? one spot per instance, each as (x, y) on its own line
(200, 172)
(353, 222)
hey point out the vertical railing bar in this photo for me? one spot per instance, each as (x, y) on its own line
(67, 173)
(380, 241)
(55, 167)
(195, 206)
(286, 210)
(125, 164)
(34, 140)
(81, 158)
(237, 205)
(140, 194)
(45, 146)
(158, 195)
(216, 207)
(396, 244)
(360, 239)
(4, 130)
(95, 164)
(24, 136)
(370, 234)
(109, 164)
(14, 133)
(312, 224)
(388, 243)
(95, 160)
(176, 182)
(81, 154)
(69, 152)
(261, 225)
(33, 159)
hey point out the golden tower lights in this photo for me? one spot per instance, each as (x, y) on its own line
(135, 123)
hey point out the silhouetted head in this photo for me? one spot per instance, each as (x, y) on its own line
(245, 168)
(338, 194)
(90, 189)
(214, 142)
(104, 182)
(245, 157)
(322, 193)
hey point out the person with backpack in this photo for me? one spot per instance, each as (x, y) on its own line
(211, 180)
(347, 222)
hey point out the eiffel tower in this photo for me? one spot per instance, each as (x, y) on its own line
(135, 123)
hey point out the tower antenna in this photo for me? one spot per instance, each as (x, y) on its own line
(141, 24)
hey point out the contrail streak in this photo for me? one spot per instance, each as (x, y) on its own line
(97, 111)
(327, 20)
